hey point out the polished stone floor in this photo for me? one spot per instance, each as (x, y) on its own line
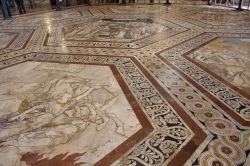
(126, 85)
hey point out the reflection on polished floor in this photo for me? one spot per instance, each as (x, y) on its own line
(126, 85)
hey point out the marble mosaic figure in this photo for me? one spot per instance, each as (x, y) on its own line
(60, 112)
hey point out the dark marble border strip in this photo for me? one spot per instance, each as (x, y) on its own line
(187, 150)
(29, 38)
(223, 106)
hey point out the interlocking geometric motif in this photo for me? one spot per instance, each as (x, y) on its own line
(198, 117)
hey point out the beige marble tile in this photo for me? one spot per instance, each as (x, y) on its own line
(52, 109)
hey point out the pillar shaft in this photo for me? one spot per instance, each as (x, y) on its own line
(240, 5)
(5, 9)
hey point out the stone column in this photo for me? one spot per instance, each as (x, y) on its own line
(6, 10)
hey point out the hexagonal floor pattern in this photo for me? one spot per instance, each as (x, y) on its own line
(132, 85)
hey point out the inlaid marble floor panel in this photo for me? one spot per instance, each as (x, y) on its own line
(130, 85)
(5, 39)
(84, 101)
(229, 58)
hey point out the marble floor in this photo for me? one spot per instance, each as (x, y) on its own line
(126, 85)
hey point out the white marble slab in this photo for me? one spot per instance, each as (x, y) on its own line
(52, 109)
